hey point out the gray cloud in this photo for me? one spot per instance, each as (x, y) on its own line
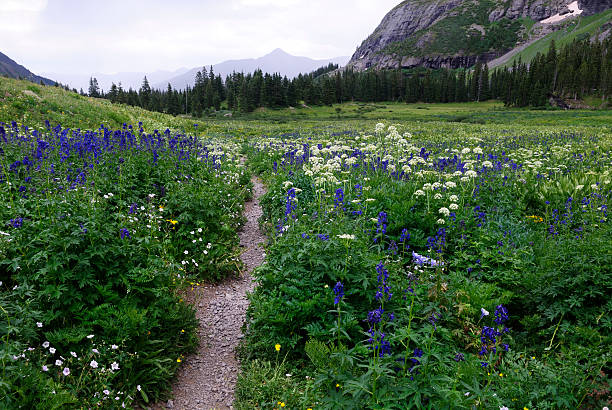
(86, 36)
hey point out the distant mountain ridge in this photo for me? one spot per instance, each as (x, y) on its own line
(12, 69)
(278, 61)
(458, 33)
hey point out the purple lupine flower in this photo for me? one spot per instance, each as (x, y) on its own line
(17, 222)
(381, 225)
(339, 292)
(501, 315)
(375, 316)
(339, 198)
(125, 233)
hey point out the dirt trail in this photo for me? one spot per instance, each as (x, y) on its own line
(207, 379)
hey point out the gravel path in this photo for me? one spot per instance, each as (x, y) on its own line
(207, 379)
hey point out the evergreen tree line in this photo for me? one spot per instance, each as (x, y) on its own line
(579, 69)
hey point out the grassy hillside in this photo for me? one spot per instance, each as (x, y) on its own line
(32, 104)
(573, 30)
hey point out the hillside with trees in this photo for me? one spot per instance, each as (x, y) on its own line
(575, 71)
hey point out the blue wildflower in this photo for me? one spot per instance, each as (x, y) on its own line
(405, 236)
(381, 225)
(339, 292)
(375, 316)
(17, 222)
(501, 315)
(459, 357)
(339, 198)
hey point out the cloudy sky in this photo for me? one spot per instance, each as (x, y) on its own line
(108, 36)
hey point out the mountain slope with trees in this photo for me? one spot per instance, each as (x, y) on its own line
(458, 33)
(572, 71)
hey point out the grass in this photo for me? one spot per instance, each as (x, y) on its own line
(488, 112)
(573, 30)
(32, 104)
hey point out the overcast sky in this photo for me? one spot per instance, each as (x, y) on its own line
(108, 36)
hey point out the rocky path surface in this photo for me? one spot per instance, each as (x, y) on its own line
(207, 378)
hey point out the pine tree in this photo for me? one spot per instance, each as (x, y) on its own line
(145, 94)
(243, 96)
(484, 84)
(94, 88)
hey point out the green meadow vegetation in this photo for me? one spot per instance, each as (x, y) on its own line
(418, 255)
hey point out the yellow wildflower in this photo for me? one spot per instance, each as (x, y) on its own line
(277, 347)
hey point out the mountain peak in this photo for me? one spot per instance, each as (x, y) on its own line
(277, 61)
(278, 52)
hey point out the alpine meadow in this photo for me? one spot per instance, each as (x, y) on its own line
(423, 225)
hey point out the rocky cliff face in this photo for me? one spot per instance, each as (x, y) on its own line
(594, 6)
(455, 33)
(536, 10)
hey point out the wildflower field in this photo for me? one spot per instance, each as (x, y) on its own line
(99, 230)
(416, 263)
(428, 265)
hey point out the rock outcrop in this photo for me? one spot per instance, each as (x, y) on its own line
(399, 24)
(537, 10)
(591, 7)
(422, 22)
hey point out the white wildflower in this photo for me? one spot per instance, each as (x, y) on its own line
(444, 211)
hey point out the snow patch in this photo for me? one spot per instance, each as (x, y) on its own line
(574, 11)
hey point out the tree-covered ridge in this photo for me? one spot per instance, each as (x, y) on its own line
(579, 69)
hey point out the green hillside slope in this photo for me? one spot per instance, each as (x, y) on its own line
(579, 29)
(32, 104)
